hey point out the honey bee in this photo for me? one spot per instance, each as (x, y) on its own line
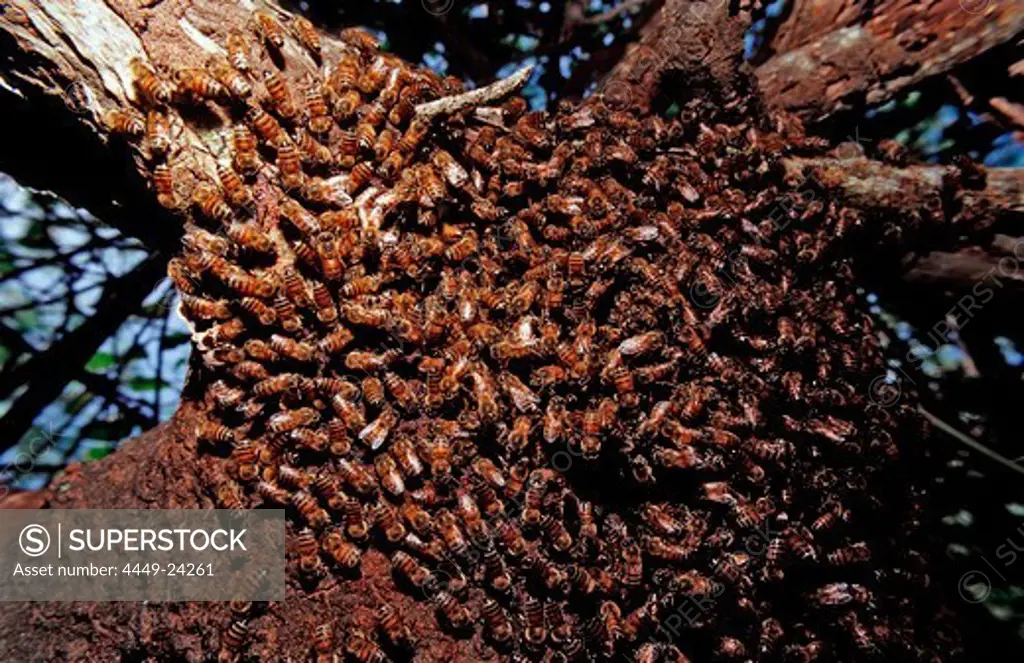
(266, 126)
(204, 309)
(361, 39)
(326, 311)
(275, 385)
(345, 107)
(366, 137)
(228, 496)
(289, 163)
(319, 116)
(852, 554)
(249, 236)
(229, 76)
(269, 29)
(287, 420)
(410, 568)
(498, 625)
(209, 202)
(376, 432)
(363, 649)
(390, 478)
(214, 431)
(238, 51)
(357, 477)
(341, 551)
(127, 122)
(438, 455)
(401, 391)
(153, 87)
(533, 614)
(280, 94)
(416, 516)
(244, 454)
(413, 136)
(233, 639)
(397, 633)
(307, 35)
(555, 529)
(340, 443)
(163, 181)
(307, 550)
(323, 642)
(289, 347)
(334, 342)
(359, 176)
(308, 439)
(347, 412)
(246, 160)
(315, 154)
(237, 192)
(456, 613)
(386, 518)
(355, 520)
(197, 85)
(373, 391)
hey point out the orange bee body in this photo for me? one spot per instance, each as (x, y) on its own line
(413, 136)
(198, 85)
(319, 115)
(266, 126)
(238, 51)
(126, 122)
(153, 87)
(307, 34)
(236, 191)
(269, 29)
(211, 204)
(280, 94)
(289, 162)
(230, 77)
(361, 39)
(164, 183)
(246, 160)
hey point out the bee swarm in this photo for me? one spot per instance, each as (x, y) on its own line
(582, 379)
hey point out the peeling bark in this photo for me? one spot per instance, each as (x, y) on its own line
(68, 64)
(874, 186)
(832, 56)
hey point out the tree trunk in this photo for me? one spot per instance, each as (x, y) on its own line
(70, 63)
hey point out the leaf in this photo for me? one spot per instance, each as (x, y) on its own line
(145, 384)
(100, 362)
(97, 453)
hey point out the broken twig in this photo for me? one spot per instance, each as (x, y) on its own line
(453, 104)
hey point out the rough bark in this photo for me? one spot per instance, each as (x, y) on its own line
(158, 470)
(831, 56)
(873, 185)
(68, 63)
(695, 42)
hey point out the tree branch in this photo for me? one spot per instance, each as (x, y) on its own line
(699, 42)
(831, 56)
(48, 372)
(875, 186)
